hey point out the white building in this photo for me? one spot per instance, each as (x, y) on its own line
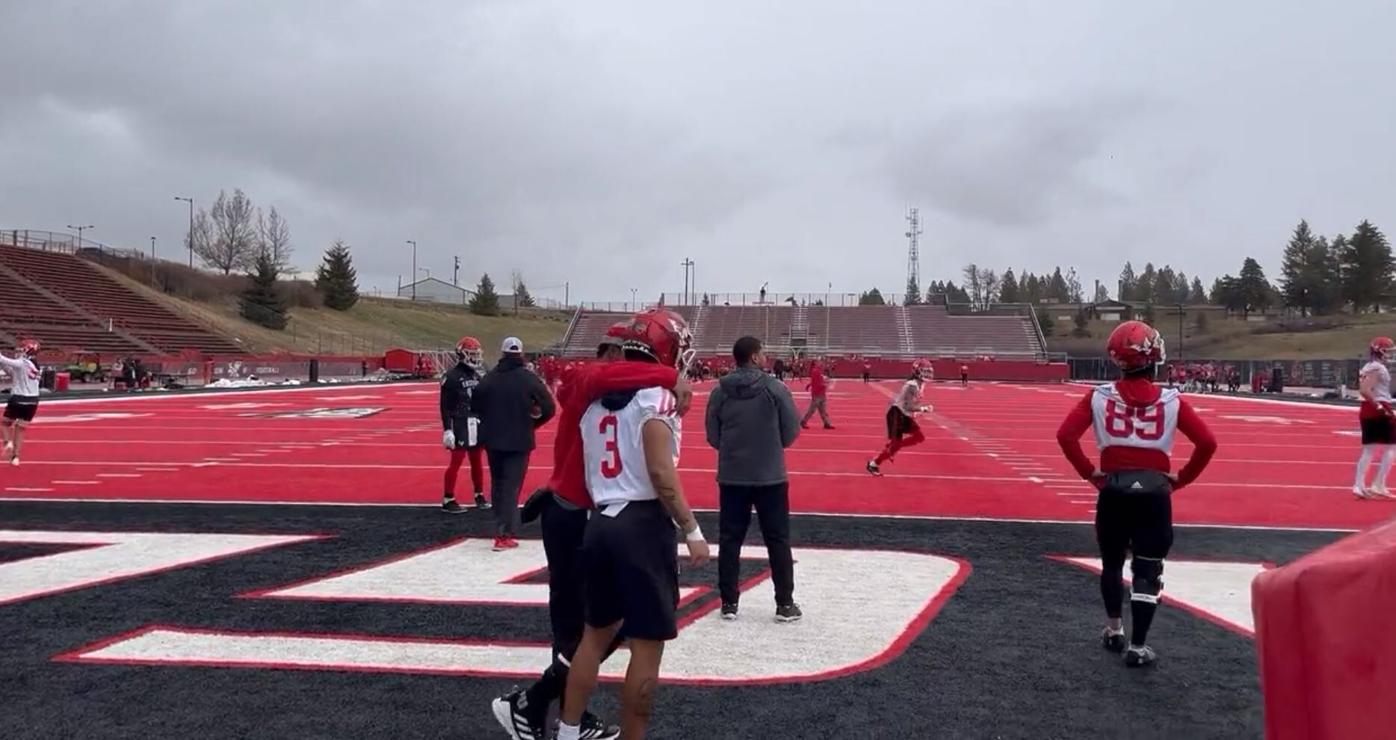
(433, 289)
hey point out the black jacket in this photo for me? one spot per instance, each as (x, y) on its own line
(457, 387)
(504, 401)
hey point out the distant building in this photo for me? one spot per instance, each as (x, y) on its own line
(435, 290)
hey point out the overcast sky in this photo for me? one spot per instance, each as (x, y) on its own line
(602, 142)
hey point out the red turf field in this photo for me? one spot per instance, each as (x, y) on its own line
(990, 453)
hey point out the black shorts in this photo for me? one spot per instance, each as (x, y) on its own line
(898, 423)
(461, 428)
(22, 408)
(1380, 430)
(1135, 512)
(632, 571)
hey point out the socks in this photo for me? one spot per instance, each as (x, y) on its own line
(1383, 470)
(548, 688)
(1364, 461)
(1143, 613)
(568, 732)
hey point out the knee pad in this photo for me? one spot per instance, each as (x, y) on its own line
(1148, 580)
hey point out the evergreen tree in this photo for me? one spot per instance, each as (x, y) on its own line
(261, 302)
(1255, 290)
(1008, 288)
(1163, 287)
(1181, 289)
(1366, 268)
(872, 298)
(336, 278)
(1030, 288)
(1199, 293)
(486, 301)
(913, 292)
(522, 299)
(1056, 289)
(1226, 291)
(1127, 283)
(1300, 278)
(1144, 286)
(1045, 320)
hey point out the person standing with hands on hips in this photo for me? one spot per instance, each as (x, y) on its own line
(511, 403)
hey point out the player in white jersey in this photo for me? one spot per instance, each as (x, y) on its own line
(902, 429)
(24, 396)
(630, 443)
(1378, 420)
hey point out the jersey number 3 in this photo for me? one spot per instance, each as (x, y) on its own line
(610, 465)
(1142, 422)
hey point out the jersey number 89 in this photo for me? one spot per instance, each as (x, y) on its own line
(1141, 422)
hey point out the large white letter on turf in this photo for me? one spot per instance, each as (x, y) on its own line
(870, 605)
(114, 556)
(1219, 592)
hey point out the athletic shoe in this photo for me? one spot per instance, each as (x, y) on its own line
(592, 728)
(873, 468)
(829, 426)
(450, 506)
(509, 712)
(1113, 641)
(480, 503)
(1140, 656)
(789, 613)
(1381, 492)
(505, 543)
(14, 461)
(729, 612)
(1361, 492)
(804, 425)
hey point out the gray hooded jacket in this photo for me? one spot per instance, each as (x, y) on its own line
(751, 420)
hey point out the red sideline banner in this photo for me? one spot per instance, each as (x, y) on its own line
(1012, 370)
(1325, 640)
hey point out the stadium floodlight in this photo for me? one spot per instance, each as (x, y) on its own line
(80, 229)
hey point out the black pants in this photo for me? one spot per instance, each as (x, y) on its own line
(507, 470)
(773, 515)
(1134, 514)
(563, 530)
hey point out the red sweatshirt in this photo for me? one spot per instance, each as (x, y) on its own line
(585, 385)
(817, 388)
(1137, 392)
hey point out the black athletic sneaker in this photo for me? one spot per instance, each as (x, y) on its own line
(450, 506)
(1140, 656)
(480, 503)
(592, 728)
(511, 712)
(789, 613)
(1113, 641)
(873, 468)
(729, 612)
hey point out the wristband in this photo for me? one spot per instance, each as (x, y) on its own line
(696, 535)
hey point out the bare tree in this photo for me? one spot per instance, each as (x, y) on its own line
(274, 238)
(1074, 292)
(232, 242)
(972, 286)
(990, 282)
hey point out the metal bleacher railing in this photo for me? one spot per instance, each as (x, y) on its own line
(52, 241)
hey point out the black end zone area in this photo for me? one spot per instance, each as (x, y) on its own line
(1013, 654)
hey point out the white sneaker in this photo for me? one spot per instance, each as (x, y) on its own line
(1380, 492)
(14, 461)
(1361, 492)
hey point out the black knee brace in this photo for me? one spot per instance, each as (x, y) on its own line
(1148, 579)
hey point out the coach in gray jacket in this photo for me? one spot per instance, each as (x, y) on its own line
(751, 419)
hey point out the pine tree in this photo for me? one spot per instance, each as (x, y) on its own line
(1199, 293)
(1057, 289)
(1045, 320)
(1298, 280)
(1163, 286)
(261, 302)
(872, 298)
(913, 292)
(1366, 268)
(1144, 286)
(1008, 288)
(486, 301)
(336, 278)
(1256, 292)
(522, 299)
(1127, 283)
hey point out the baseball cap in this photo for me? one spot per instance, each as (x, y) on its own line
(512, 346)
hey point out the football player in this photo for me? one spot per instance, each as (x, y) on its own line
(902, 429)
(564, 505)
(1378, 421)
(631, 448)
(1135, 423)
(24, 396)
(462, 428)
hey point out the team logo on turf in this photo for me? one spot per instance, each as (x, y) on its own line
(351, 412)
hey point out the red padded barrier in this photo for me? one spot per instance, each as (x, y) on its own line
(1326, 638)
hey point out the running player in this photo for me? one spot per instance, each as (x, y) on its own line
(964, 375)
(1134, 422)
(902, 429)
(564, 505)
(631, 445)
(24, 396)
(462, 428)
(1378, 421)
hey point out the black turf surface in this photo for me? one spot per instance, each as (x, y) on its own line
(1012, 655)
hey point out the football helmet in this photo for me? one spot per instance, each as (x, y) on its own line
(471, 352)
(30, 347)
(1134, 345)
(662, 335)
(615, 335)
(1381, 348)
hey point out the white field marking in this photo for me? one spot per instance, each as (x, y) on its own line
(908, 517)
(160, 470)
(77, 482)
(1035, 479)
(1221, 590)
(22, 489)
(118, 475)
(248, 454)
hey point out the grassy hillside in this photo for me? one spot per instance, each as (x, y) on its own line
(1326, 338)
(370, 327)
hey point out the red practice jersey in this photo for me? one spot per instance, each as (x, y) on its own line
(1135, 424)
(817, 388)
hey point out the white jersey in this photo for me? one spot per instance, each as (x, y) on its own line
(1383, 390)
(614, 448)
(1117, 424)
(909, 400)
(23, 374)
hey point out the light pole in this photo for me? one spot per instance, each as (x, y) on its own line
(414, 268)
(687, 267)
(152, 249)
(190, 201)
(80, 229)
(632, 299)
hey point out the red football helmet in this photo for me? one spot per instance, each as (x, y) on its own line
(1381, 348)
(470, 351)
(615, 335)
(661, 334)
(1134, 345)
(30, 347)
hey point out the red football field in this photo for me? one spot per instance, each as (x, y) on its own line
(990, 453)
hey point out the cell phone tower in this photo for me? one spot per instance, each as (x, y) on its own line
(913, 250)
